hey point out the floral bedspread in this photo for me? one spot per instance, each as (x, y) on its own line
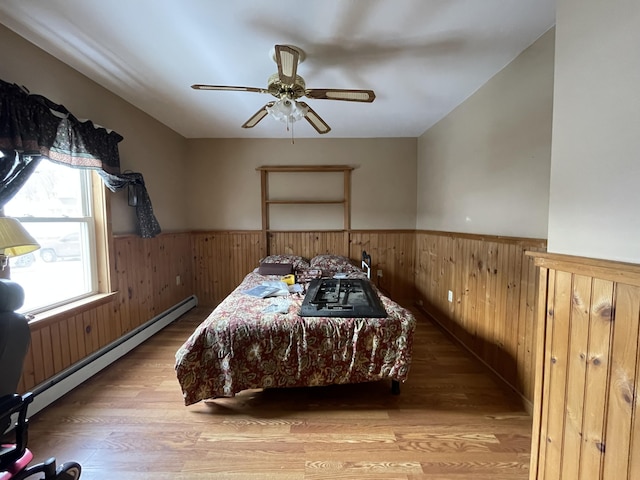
(240, 347)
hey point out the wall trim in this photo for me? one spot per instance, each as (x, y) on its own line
(615, 271)
(528, 241)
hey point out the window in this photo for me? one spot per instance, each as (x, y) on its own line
(56, 207)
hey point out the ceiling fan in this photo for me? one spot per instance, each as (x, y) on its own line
(287, 86)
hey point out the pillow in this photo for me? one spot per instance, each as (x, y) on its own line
(330, 264)
(298, 262)
(305, 276)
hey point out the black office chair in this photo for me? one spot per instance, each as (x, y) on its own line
(15, 338)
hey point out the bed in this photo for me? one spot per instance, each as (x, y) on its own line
(250, 342)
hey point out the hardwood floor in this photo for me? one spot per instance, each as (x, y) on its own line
(452, 420)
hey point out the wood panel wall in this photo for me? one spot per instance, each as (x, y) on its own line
(222, 259)
(145, 280)
(309, 244)
(493, 284)
(585, 417)
(393, 255)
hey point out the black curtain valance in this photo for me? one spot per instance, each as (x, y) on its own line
(32, 127)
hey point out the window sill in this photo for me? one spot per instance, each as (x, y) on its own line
(70, 309)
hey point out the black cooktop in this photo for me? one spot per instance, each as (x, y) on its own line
(341, 297)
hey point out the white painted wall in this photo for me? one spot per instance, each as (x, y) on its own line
(485, 167)
(594, 205)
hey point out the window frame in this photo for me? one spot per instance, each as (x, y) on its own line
(100, 213)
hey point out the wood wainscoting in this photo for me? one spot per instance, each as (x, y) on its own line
(493, 289)
(309, 244)
(222, 258)
(585, 421)
(393, 256)
(145, 280)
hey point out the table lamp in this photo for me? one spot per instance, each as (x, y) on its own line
(14, 240)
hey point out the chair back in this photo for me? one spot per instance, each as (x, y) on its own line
(15, 336)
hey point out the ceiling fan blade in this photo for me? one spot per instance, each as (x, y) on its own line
(341, 94)
(259, 115)
(314, 119)
(287, 59)
(229, 88)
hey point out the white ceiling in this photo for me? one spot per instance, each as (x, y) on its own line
(421, 57)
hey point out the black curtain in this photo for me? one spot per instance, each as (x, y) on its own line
(15, 169)
(148, 226)
(32, 128)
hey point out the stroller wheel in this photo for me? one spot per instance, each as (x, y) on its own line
(68, 471)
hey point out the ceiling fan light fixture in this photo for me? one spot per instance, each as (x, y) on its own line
(287, 110)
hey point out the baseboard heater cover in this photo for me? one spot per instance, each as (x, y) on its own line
(57, 386)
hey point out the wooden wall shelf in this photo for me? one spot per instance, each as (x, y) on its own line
(304, 168)
(305, 202)
(345, 201)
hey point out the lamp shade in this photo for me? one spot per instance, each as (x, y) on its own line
(14, 238)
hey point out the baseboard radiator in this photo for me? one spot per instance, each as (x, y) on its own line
(55, 387)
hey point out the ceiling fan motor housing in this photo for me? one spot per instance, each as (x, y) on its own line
(282, 90)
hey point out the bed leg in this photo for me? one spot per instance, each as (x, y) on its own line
(395, 387)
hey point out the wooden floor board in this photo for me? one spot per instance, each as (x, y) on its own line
(452, 420)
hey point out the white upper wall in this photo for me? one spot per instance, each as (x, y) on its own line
(594, 205)
(485, 167)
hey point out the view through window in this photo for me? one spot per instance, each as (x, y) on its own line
(55, 207)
